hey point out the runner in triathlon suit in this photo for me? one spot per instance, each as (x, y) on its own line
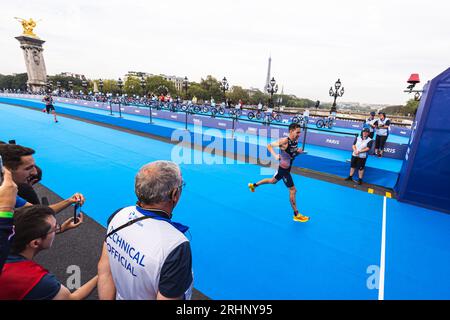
(49, 105)
(288, 151)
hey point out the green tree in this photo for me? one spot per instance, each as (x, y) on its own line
(196, 90)
(257, 97)
(6, 81)
(212, 87)
(238, 93)
(65, 82)
(18, 81)
(411, 107)
(110, 86)
(408, 110)
(132, 86)
(157, 83)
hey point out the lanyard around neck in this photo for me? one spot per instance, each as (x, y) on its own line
(151, 213)
(147, 215)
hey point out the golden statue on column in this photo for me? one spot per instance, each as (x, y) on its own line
(28, 26)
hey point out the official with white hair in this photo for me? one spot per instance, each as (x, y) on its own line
(146, 255)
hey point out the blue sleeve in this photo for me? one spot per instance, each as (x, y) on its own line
(176, 273)
(46, 289)
(369, 145)
(20, 202)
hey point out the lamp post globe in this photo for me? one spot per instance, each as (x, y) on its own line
(272, 87)
(185, 86)
(336, 92)
(224, 86)
(120, 84)
(143, 84)
(100, 85)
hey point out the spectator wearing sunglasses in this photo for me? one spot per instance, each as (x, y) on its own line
(24, 279)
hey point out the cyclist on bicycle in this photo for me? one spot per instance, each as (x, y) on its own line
(259, 110)
(306, 116)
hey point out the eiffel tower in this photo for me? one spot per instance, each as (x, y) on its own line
(268, 75)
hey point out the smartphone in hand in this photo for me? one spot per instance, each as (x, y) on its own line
(76, 212)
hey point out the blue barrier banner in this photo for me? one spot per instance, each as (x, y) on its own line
(241, 144)
(330, 140)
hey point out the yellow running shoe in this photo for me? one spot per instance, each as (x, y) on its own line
(251, 186)
(301, 218)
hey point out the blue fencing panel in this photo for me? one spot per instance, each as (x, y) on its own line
(425, 176)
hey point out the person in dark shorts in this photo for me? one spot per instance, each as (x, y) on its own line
(360, 147)
(48, 99)
(382, 131)
(288, 151)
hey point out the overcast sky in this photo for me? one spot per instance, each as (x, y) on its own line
(372, 46)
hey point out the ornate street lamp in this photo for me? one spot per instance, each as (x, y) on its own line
(224, 86)
(185, 86)
(84, 85)
(120, 84)
(100, 85)
(272, 88)
(70, 83)
(58, 84)
(144, 94)
(336, 93)
(50, 85)
(317, 105)
(143, 84)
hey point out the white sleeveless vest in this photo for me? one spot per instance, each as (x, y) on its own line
(382, 132)
(362, 144)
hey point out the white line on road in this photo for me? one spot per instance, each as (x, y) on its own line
(383, 254)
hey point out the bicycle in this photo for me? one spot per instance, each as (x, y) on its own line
(328, 122)
(203, 109)
(259, 114)
(235, 112)
(300, 120)
(161, 106)
(275, 116)
(173, 107)
(190, 108)
(219, 110)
